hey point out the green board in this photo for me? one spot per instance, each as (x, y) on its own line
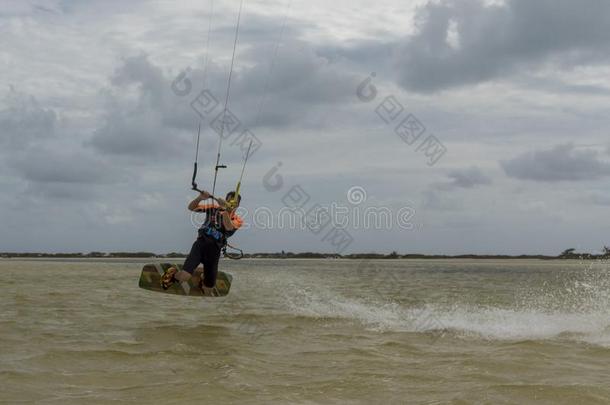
(150, 279)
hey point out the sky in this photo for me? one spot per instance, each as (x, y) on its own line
(433, 127)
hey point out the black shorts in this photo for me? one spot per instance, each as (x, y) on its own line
(205, 250)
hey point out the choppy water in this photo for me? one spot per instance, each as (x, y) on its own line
(309, 332)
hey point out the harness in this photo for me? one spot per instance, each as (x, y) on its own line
(214, 234)
(220, 237)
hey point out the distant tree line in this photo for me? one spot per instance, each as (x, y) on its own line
(87, 255)
(572, 254)
(566, 254)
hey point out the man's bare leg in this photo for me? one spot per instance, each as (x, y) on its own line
(183, 276)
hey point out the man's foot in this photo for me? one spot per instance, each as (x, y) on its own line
(168, 279)
(207, 291)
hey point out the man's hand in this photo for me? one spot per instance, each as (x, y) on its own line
(203, 195)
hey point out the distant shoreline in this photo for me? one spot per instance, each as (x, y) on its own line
(566, 255)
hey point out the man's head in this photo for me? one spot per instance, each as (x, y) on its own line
(231, 199)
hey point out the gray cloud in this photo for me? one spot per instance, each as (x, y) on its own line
(301, 74)
(295, 88)
(58, 191)
(433, 200)
(142, 116)
(468, 178)
(436, 198)
(106, 143)
(602, 199)
(300, 86)
(23, 120)
(141, 134)
(52, 166)
(465, 42)
(562, 163)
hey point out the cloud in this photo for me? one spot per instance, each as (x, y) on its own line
(468, 178)
(468, 41)
(75, 192)
(298, 87)
(138, 70)
(144, 117)
(53, 171)
(141, 134)
(23, 120)
(602, 199)
(98, 138)
(434, 197)
(562, 163)
(433, 200)
(301, 74)
(48, 166)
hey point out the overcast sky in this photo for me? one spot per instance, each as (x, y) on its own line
(509, 151)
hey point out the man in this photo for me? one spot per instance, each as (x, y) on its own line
(220, 223)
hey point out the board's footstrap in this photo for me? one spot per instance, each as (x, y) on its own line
(167, 279)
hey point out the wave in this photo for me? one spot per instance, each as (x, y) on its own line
(579, 312)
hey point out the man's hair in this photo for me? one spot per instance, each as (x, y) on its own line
(230, 196)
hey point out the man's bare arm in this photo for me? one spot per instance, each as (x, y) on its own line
(227, 222)
(195, 203)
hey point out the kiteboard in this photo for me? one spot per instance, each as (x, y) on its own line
(150, 279)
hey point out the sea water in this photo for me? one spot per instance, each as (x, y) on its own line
(309, 332)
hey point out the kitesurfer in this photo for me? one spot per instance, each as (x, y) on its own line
(220, 223)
